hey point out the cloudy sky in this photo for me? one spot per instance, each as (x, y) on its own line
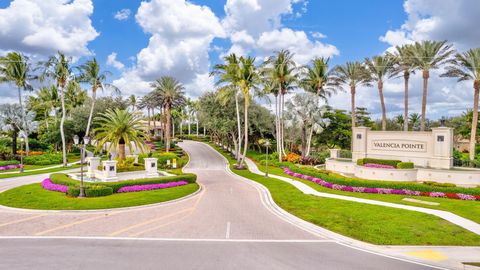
(139, 41)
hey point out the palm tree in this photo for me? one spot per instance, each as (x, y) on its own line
(91, 74)
(248, 80)
(428, 55)
(171, 94)
(400, 121)
(466, 67)
(414, 119)
(317, 79)
(11, 120)
(58, 68)
(352, 75)
(228, 77)
(281, 70)
(120, 128)
(381, 68)
(14, 67)
(74, 96)
(132, 100)
(403, 64)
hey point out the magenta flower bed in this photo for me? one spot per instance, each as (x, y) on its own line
(326, 184)
(378, 166)
(138, 188)
(49, 185)
(10, 167)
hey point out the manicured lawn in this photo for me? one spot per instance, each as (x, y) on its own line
(33, 196)
(369, 223)
(9, 175)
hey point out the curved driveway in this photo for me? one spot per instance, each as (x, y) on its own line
(225, 226)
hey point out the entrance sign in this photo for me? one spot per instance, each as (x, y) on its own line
(430, 149)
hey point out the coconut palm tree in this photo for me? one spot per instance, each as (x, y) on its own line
(414, 119)
(404, 66)
(91, 73)
(317, 79)
(380, 68)
(171, 94)
(120, 128)
(132, 101)
(282, 72)
(466, 67)
(428, 55)
(58, 69)
(248, 81)
(75, 96)
(14, 68)
(352, 75)
(400, 121)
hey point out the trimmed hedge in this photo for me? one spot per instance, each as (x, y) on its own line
(405, 165)
(9, 162)
(363, 161)
(436, 184)
(90, 191)
(45, 159)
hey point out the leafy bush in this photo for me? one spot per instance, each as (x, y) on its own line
(133, 168)
(321, 156)
(308, 161)
(125, 163)
(90, 191)
(363, 161)
(37, 145)
(45, 159)
(292, 157)
(405, 165)
(162, 158)
(9, 162)
(436, 184)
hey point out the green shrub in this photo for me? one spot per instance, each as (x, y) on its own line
(132, 168)
(90, 191)
(9, 162)
(405, 165)
(45, 159)
(125, 163)
(364, 161)
(73, 191)
(162, 158)
(436, 184)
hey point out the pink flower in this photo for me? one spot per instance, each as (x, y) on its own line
(49, 185)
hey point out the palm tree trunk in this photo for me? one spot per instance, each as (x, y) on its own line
(245, 147)
(239, 127)
(62, 131)
(189, 120)
(25, 125)
(196, 121)
(304, 140)
(473, 132)
(309, 142)
(94, 95)
(382, 101)
(173, 129)
(426, 75)
(406, 76)
(181, 126)
(46, 119)
(352, 93)
(277, 128)
(14, 141)
(121, 151)
(148, 116)
(167, 129)
(282, 125)
(154, 123)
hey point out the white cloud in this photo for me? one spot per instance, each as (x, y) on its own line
(122, 14)
(48, 26)
(112, 61)
(181, 35)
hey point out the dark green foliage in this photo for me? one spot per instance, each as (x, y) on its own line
(9, 162)
(405, 165)
(90, 191)
(436, 184)
(45, 159)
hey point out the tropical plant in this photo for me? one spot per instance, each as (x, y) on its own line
(414, 120)
(380, 68)
(352, 75)
(171, 94)
(14, 68)
(11, 120)
(466, 67)
(404, 66)
(428, 55)
(91, 73)
(132, 101)
(400, 121)
(119, 128)
(318, 79)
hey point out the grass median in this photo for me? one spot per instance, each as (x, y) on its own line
(370, 223)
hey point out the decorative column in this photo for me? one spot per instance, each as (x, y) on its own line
(92, 166)
(442, 141)
(109, 170)
(334, 153)
(359, 143)
(151, 167)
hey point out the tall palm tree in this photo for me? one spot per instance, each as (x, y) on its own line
(317, 79)
(282, 72)
(380, 68)
(466, 67)
(228, 78)
(120, 128)
(75, 96)
(91, 73)
(400, 121)
(428, 55)
(404, 66)
(248, 81)
(414, 119)
(14, 68)
(172, 95)
(58, 69)
(352, 75)
(132, 100)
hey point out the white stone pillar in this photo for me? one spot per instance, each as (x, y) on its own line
(334, 153)
(442, 141)
(359, 143)
(92, 166)
(109, 169)
(151, 166)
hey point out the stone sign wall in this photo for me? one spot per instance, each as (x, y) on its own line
(431, 149)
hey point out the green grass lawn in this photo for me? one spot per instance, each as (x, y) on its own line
(9, 175)
(369, 223)
(33, 196)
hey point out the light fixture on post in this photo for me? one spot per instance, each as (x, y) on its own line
(267, 144)
(86, 141)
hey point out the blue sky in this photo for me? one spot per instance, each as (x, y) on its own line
(139, 41)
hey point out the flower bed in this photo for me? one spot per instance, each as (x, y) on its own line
(49, 185)
(137, 188)
(378, 166)
(10, 167)
(326, 184)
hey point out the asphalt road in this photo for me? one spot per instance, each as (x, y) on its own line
(226, 226)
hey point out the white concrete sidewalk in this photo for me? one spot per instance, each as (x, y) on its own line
(455, 219)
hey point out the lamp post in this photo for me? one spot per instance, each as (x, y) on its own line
(21, 153)
(76, 141)
(267, 144)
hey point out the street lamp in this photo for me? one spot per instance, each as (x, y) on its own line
(76, 141)
(267, 144)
